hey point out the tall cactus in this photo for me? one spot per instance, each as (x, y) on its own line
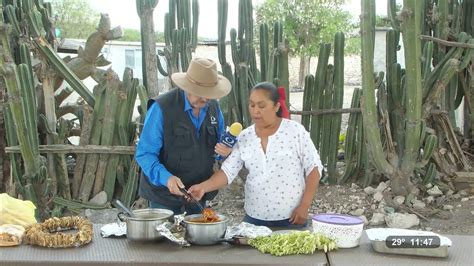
(180, 36)
(145, 10)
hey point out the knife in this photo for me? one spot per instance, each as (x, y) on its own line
(187, 195)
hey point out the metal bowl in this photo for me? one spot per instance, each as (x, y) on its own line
(142, 226)
(205, 233)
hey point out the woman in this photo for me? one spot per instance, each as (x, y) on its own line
(284, 166)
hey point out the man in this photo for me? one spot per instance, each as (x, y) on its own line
(180, 137)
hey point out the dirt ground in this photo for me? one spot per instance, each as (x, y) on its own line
(350, 199)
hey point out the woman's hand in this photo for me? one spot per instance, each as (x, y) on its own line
(173, 184)
(222, 150)
(299, 215)
(197, 191)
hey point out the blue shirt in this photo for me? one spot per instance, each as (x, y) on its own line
(151, 140)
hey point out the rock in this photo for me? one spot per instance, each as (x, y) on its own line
(357, 212)
(382, 186)
(456, 196)
(429, 229)
(429, 185)
(448, 207)
(373, 206)
(388, 209)
(99, 199)
(104, 216)
(464, 199)
(369, 190)
(366, 222)
(419, 205)
(472, 212)
(429, 199)
(401, 220)
(378, 196)
(377, 219)
(355, 186)
(328, 194)
(399, 200)
(450, 192)
(435, 191)
(463, 193)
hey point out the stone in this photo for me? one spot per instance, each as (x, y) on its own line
(448, 207)
(369, 190)
(373, 206)
(464, 199)
(402, 220)
(456, 196)
(429, 229)
(381, 187)
(419, 205)
(429, 199)
(463, 193)
(366, 222)
(450, 192)
(328, 194)
(355, 186)
(377, 219)
(378, 196)
(104, 216)
(388, 209)
(399, 200)
(99, 199)
(357, 212)
(435, 191)
(429, 185)
(472, 212)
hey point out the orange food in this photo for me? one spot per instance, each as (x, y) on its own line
(209, 215)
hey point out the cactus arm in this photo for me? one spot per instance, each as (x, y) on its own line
(411, 32)
(374, 142)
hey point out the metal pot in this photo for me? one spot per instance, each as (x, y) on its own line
(142, 226)
(204, 233)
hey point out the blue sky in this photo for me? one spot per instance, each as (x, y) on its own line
(123, 13)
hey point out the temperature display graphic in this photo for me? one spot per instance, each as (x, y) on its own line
(412, 241)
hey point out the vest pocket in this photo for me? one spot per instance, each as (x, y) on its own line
(212, 137)
(182, 138)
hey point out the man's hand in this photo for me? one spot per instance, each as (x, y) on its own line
(197, 191)
(222, 150)
(299, 215)
(174, 183)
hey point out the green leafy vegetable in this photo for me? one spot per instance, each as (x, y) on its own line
(300, 242)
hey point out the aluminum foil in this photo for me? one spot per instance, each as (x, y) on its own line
(113, 229)
(175, 232)
(247, 230)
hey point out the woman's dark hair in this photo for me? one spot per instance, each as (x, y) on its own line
(272, 92)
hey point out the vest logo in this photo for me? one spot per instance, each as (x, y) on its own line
(213, 120)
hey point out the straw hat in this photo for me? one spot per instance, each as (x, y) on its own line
(202, 79)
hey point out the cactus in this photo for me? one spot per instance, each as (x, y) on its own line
(145, 9)
(319, 82)
(337, 101)
(374, 142)
(307, 100)
(180, 36)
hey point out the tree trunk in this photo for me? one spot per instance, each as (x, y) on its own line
(302, 71)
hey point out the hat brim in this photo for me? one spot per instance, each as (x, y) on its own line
(221, 89)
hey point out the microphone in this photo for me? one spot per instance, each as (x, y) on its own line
(229, 138)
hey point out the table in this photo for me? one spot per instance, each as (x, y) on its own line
(120, 251)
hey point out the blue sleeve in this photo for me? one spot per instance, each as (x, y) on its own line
(221, 124)
(149, 147)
